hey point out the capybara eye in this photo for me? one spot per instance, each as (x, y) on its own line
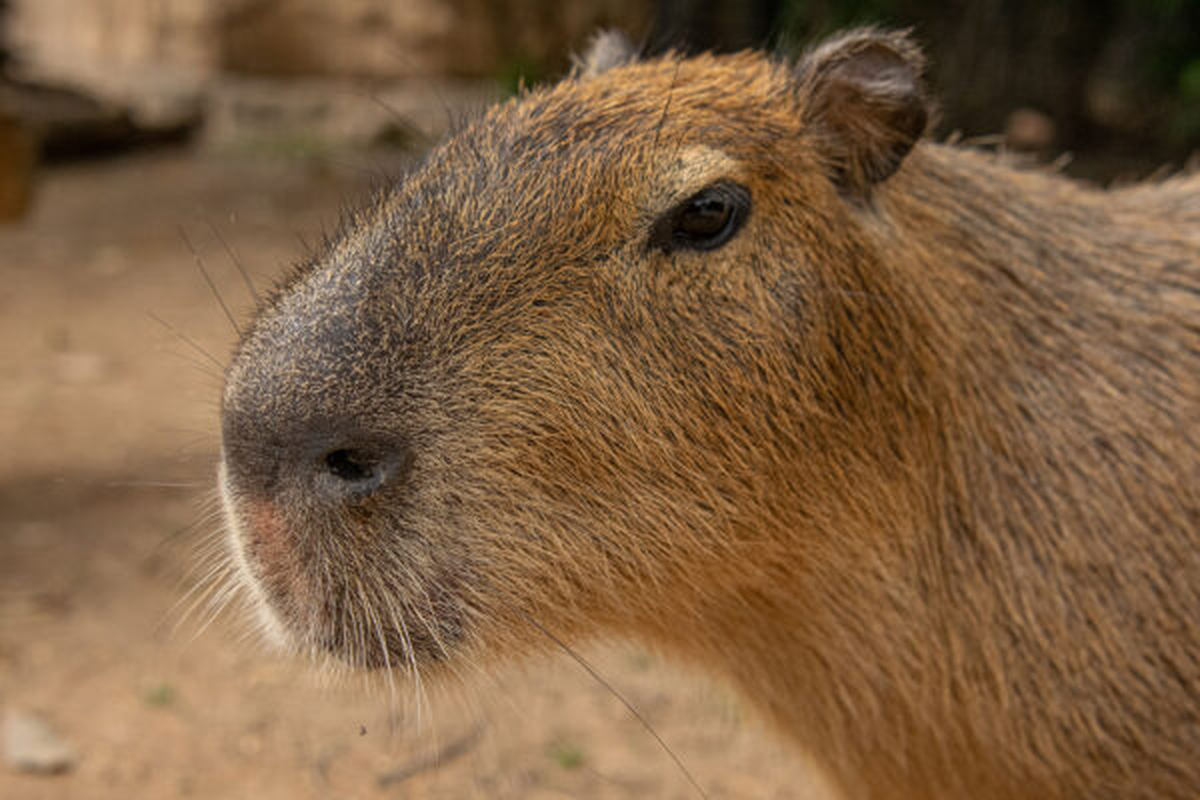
(705, 221)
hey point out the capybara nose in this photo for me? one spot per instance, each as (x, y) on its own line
(323, 462)
(355, 469)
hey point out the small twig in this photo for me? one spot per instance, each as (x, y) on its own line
(450, 751)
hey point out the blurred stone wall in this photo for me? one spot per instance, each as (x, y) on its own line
(152, 55)
(242, 61)
(109, 40)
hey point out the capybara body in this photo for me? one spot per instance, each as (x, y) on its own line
(718, 353)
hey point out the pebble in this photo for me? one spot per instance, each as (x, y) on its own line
(31, 745)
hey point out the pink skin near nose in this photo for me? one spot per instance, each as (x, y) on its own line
(272, 557)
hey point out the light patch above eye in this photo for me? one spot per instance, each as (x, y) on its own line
(685, 172)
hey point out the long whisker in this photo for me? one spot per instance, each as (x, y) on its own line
(237, 262)
(377, 623)
(208, 279)
(189, 341)
(419, 692)
(587, 667)
(662, 120)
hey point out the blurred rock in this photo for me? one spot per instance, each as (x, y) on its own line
(65, 121)
(265, 69)
(31, 745)
(1029, 131)
(149, 59)
(111, 45)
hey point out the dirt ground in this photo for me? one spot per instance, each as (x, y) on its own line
(108, 424)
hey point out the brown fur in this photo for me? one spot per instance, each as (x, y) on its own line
(914, 459)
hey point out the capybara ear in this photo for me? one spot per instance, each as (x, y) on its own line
(865, 103)
(605, 50)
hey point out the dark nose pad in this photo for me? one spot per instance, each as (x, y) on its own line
(357, 471)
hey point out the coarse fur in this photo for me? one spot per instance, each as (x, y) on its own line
(913, 460)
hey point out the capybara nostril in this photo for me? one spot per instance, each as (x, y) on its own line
(355, 471)
(352, 466)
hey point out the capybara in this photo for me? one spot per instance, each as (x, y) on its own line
(719, 352)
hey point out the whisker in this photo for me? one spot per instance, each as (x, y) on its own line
(406, 63)
(217, 603)
(203, 591)
(199, 365)
(187, 340)
(587, 667)
(237, 262)
(667, 105)
(376, 623)
(410, 657)
(404, 124)
(205, 518)
(303, 243)
(208, 279)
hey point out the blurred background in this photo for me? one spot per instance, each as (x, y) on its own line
(163, 160)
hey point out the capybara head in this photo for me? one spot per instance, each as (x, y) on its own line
(592, 367)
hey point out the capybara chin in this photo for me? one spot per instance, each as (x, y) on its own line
(716, 352)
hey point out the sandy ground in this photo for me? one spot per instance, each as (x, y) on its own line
(108, 427)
